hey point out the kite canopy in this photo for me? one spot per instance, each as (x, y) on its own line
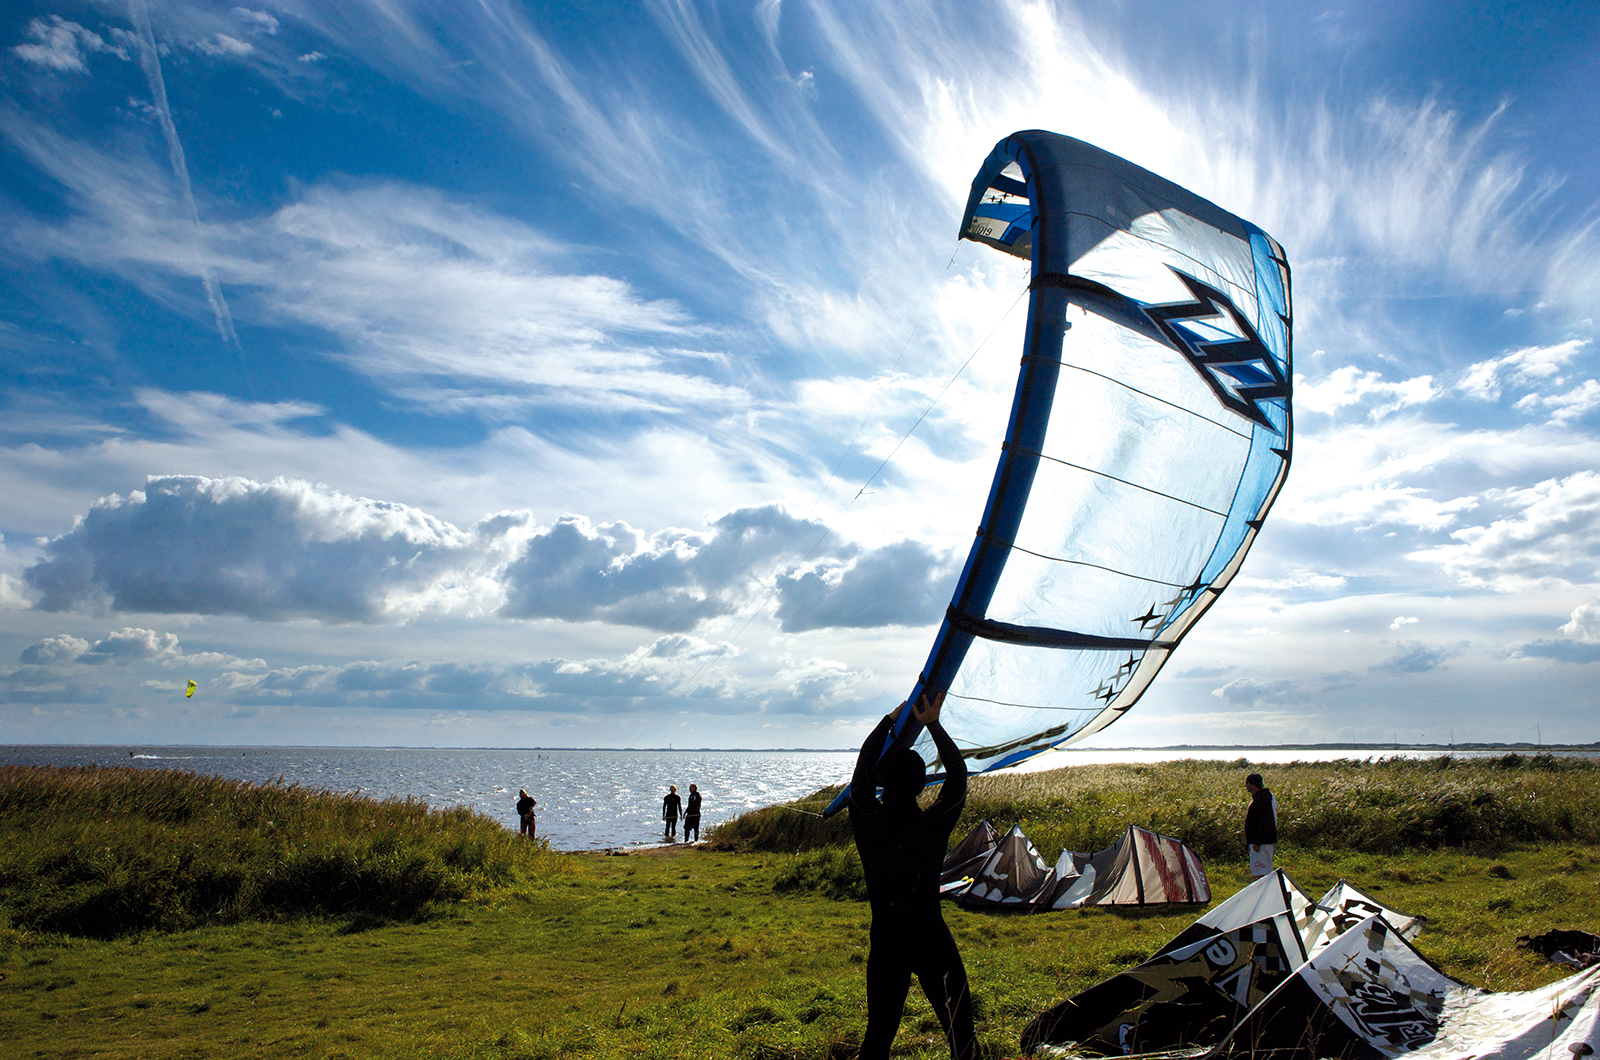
(986, 871)
(1144, 448)
(1199, 987)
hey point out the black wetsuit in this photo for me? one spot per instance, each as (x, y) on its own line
(525, 807)
(691, 816)
(669, 813)
(1260, 820)
(902, 849)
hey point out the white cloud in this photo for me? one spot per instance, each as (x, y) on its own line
(286, 549)
(127, 645)
(1568, 406)
(62, 45)
(419, 287)
(1376, 505)
(270, 550)
(677, 672)
(1300, 581)
(1250, 691)
(259, 20)
(1416, 658)
(54, 651)
(1585, 623)
(1350, 386)
(222, 44)
(1402, 621)
(1411, 472)
(13, 596)
(1525, 367)
(1550, 535)
(312, 57)
(453, 307)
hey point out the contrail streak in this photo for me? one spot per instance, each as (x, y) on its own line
(151, 63)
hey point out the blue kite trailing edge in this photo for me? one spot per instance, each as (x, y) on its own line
(1150, 433)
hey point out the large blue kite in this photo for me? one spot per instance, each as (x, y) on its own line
(1149, 435)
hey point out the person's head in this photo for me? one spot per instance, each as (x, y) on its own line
(693, 788)
(1253, 783)
(902, 774)
(522, 792)
(672, 788)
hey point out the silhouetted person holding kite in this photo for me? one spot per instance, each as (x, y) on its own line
(902, 848)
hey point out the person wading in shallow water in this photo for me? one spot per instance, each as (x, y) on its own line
(691, 815)
(525, 805)
(670, 808)
(902, 848)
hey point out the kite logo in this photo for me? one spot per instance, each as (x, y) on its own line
(1382, 1014)
(1222, 346)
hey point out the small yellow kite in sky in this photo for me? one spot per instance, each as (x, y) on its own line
(190, 694)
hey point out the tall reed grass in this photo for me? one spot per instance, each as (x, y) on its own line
(1377, 807)
(108, 851)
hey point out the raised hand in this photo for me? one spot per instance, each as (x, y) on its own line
(927, 712)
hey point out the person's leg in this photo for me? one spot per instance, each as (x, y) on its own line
(888, 982)
(944, 981)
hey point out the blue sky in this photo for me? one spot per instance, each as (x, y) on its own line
(505, 375)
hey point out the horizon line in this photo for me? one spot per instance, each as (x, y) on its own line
(1334, 746)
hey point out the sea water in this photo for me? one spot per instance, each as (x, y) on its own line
(588, 800)
(594, 800)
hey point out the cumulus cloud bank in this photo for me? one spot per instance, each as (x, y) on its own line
(289, 549)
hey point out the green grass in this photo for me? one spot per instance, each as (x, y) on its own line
(696, 953)
(1376, 808)
(108, 852)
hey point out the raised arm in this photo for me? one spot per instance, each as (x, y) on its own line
(864, 782)
(955, 767)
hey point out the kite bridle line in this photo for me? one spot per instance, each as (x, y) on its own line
(748, 614)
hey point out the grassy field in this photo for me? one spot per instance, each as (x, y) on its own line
(694, 953)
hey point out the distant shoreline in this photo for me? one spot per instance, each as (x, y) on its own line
(1440, 747)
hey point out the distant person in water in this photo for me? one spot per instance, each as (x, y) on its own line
(1260, 825)
(525, 805)
(671, 806)
(691, 814)
(902, 849)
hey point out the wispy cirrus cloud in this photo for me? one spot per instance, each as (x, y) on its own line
(448, 305)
